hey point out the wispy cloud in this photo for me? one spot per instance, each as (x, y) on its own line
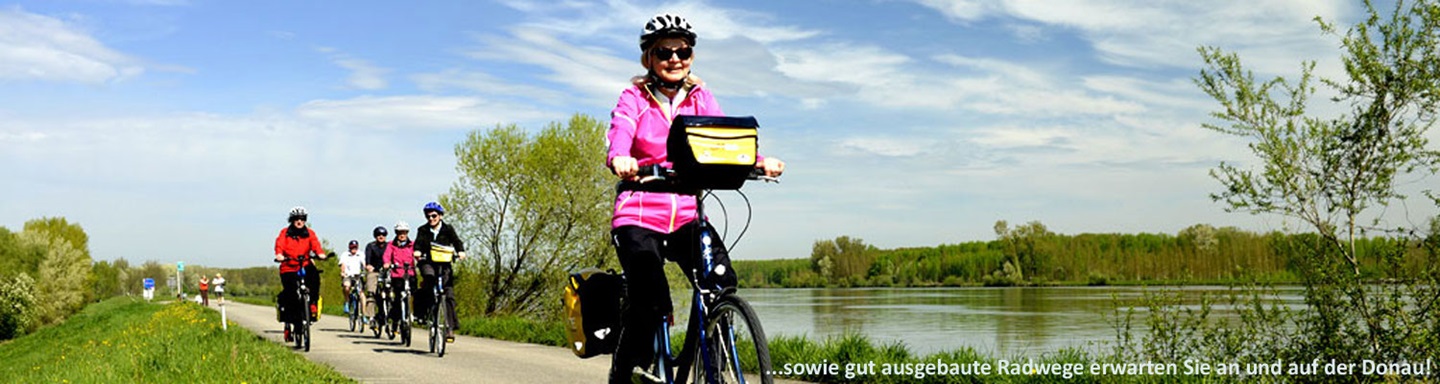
(43, 48)
(364, 75)
(418, 112)
(1274, 34)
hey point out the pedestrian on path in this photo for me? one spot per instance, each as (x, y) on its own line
(218, 285)
(204, 291)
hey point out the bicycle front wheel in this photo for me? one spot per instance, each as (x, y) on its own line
(442, 319)
(734, 348)
(381, 306)
(353, 305)
(435, 337)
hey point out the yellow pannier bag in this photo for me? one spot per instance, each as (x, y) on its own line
(592, 311)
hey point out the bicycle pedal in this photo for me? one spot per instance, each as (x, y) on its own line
(640, 376)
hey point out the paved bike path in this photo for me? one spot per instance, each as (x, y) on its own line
(469, 360)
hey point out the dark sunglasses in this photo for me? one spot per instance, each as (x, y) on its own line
(432, 215)
(664, 54)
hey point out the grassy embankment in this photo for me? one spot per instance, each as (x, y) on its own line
(129, 340)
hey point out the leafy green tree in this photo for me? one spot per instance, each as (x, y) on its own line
(1339, 175)
(60, 228)
(531, 207)
(60, 285)
(17, 256)
(105, 279)
(1024, 245)
(842, 260)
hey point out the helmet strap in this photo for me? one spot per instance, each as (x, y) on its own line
(672, 86)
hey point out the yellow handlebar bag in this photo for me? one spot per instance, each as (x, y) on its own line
(441, 253)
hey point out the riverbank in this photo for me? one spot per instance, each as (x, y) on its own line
(131, 340)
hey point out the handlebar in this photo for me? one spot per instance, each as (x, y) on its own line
(657, 172)
(302, 258)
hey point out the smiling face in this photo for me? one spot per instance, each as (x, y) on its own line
(670, 59)
(433, 218)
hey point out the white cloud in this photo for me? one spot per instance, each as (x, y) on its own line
(961, 10)
(485, 84)
(43, 48)
(418, 112)
(1015, 137)
(887, 146)
(363, 74)
(1273, 35)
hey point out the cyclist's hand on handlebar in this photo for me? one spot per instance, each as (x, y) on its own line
(279, 258)
(773, 167)
(625, 166)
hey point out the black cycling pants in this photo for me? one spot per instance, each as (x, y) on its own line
(425, 297)
(642, 253)
(289, 300)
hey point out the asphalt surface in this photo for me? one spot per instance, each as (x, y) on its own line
(362, 357)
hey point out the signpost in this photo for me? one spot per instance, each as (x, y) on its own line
(149, 289)
(180, 280)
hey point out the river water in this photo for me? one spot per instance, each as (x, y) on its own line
(1001, 322)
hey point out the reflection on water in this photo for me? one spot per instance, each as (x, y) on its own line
(1002, 322)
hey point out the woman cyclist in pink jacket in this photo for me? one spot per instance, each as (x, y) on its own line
(651, 227)
(399, 255)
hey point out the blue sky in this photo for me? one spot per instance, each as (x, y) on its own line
(186, 129)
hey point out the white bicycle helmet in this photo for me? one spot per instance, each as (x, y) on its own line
(665, 25)
(401, 226)
(298, 212)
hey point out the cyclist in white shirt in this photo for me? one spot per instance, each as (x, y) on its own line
(352, 269)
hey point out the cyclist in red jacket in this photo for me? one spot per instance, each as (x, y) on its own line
(295, 241)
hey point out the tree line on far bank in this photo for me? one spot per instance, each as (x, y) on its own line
(1030, 254)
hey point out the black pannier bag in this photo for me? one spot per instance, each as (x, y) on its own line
(592, 311)
(713, 152)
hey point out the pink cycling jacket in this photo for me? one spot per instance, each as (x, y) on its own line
(639, 125)
(402, 255)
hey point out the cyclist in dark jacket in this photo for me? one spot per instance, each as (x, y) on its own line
(374, 260)
(431, 241)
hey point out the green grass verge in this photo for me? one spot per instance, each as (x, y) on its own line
(515, 328)
(130, 340)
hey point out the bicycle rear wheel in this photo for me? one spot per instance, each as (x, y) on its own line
(734, 349)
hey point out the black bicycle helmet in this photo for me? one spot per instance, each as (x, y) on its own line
(665, 25)
(379, 231)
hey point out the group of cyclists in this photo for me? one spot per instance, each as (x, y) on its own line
(648, 227)
(429, 256)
